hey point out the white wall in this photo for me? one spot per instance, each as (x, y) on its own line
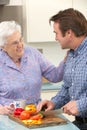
(51, 50)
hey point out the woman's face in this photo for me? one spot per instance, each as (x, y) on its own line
(14, 45)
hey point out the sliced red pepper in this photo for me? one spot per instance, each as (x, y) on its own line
(18, 111)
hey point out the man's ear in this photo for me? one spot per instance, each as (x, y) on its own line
(69, 32)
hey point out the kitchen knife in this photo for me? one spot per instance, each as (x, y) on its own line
(52, 112)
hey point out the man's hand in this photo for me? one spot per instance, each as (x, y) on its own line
(48, 105)
(71, 108)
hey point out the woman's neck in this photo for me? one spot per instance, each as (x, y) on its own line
(17, 62)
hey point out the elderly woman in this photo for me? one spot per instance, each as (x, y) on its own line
(21, 68)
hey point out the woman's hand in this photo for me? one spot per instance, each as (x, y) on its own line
(6, 110)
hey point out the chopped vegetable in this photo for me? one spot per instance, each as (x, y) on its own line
(18, 111)
(37, 116)
(30, 122)
(31, 108)
(24, 115)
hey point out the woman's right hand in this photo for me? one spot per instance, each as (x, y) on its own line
(46, 104)
(6, 110)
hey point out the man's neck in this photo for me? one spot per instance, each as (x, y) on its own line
(77, 41)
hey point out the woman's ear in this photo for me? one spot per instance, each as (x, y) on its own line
(4, 48)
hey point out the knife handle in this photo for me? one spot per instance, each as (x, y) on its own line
(44, 108)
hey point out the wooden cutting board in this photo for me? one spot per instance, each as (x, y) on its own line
(46, 121)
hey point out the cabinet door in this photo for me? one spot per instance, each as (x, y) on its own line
(80, 5)
(38, 13)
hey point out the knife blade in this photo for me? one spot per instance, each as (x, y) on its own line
(52, 112)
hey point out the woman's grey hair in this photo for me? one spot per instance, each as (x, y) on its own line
(6, 29)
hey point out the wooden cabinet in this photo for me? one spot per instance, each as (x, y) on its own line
(37, 14)
(44, 80)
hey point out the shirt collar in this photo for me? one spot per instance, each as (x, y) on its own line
(80, 49)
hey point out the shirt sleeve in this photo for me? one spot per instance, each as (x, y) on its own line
(82, 106)
(50, 71)
(61, 97)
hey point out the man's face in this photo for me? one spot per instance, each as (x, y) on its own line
(14, 45)
(63, 40)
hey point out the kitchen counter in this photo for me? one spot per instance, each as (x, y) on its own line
(7, 124)
(49, 90)
(51, 86)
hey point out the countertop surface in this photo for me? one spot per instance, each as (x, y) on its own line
(51, 86)
(8, 124)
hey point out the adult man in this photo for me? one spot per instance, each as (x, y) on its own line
(70, 28)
